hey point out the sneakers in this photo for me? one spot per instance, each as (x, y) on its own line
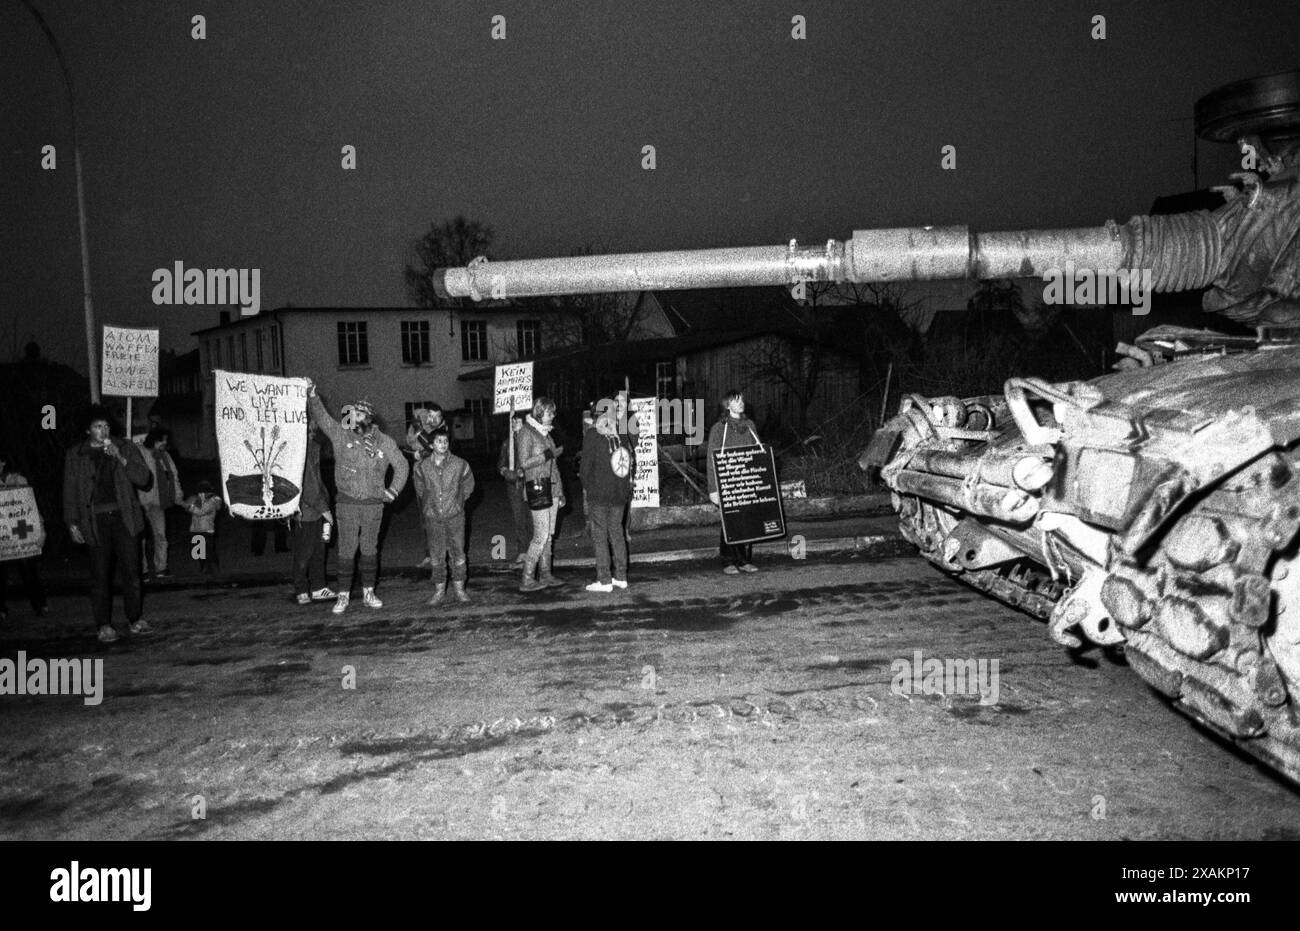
(731, 570)
(602, 587)
(370, 599)
(341, 604)
(618, 583)
(140, 626)
(458, 589)
(108, 635)
(164, 575)
(518, 563)
(425, 563)
(749, 567)
(323, 594)
(304, 598)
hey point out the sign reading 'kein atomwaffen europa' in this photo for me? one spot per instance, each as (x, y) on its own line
(130, 362)
(750, 494)
(21, 532)
(261, 424)
(512, 388)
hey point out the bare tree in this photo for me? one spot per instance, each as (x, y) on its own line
(452, 243)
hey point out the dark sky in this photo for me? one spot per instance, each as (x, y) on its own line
(226, 152)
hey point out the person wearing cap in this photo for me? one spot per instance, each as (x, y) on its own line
(363, 455)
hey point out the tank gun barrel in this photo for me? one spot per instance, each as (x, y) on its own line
(922, 253)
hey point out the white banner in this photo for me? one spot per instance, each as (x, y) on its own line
(512, 389)
(261, 423)
(21, 532)
(645, 484)
(129, 362)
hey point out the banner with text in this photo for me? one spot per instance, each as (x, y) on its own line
(512, 389)
(750, 494)
(129, 362)
(645, 483)
(261, 423)
(21, 532)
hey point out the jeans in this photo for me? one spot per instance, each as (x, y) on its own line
(31, 576)
(519, 512)
(605, 522)
(543, 529)
(157, 519)
(308, 555)
(358, 526)
(446, 536)
(209, 560)
(115, 549)
(259, 536)
(734, 554)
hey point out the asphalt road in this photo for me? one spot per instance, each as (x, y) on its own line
(694, 705)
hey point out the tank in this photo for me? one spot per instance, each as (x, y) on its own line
(1154, 511)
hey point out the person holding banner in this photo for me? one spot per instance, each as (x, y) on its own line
(519, 514)
(313, 526)
(27, 568)
(163, 493)
(362, 456)
(732, 429)
(536, 454)
(101, 509)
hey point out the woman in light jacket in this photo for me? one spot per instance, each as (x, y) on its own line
(732, 429)
(536, 453)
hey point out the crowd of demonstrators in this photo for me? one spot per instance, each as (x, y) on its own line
(363, 455)
(536, 454)
(443, 483)
(203, 508)
(28, 569)
(313, 528)
(733, 429)
(514, 478)
(606, 476)
(162, 493)
(101, 508)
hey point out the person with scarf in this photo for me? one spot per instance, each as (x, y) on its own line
(362, 456)
(607, 489)
(443, 483)
(27, 568)
(536, 453)
(732, 429)
(163, 493)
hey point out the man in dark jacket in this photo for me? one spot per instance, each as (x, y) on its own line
(515, 492)
(606, 489)
(101, 509)
(308, 536)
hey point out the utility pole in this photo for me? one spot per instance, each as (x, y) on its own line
(92, 367)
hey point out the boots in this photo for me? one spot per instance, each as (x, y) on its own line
(439, 591)
(528, 583)
(544, 576)
(458, 589)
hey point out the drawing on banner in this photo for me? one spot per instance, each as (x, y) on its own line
(645, 484)
(21, 532)
(261, 424)
(750, 494)
(129, 362)
(512, 388)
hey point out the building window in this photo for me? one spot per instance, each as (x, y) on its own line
(666, 387)
(230, 350)
(473, 340)
(259, 336)
(214, 360)
(480, 409)
(415, 342)
(275, 347)
(529, 338)
(243, 351)
(353, 349)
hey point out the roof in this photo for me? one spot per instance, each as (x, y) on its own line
(723, 309)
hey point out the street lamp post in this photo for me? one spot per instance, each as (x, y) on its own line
(88, 304)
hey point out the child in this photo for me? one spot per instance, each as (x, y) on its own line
(204, 507)
(444, 483)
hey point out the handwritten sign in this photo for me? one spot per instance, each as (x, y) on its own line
(750, 494)
(261, 424)
(512, 389)
(129, 362)
(645, 481)
(21, 532)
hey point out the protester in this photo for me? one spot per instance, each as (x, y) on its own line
(536, 454)
(101, 509)
(443, 483)
(314, 523)
(419, 440)
(733, 429)
(523, 523)
(28, 569)
(203, 508)
(163, 493)
(606, 490)
(362, 456)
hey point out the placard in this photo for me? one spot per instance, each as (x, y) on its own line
(129, 362)
(261, 424)
(645, 483)
(512, 388)
(750, 494)
(21, 532)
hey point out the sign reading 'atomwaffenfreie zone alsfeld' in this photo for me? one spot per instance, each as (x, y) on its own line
(130, 362)
(749, 493)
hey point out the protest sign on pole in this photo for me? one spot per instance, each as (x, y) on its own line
(645, 485)
(21, 532)
(749, 493)
(261, 424)
(512, 389)
(130, 362)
